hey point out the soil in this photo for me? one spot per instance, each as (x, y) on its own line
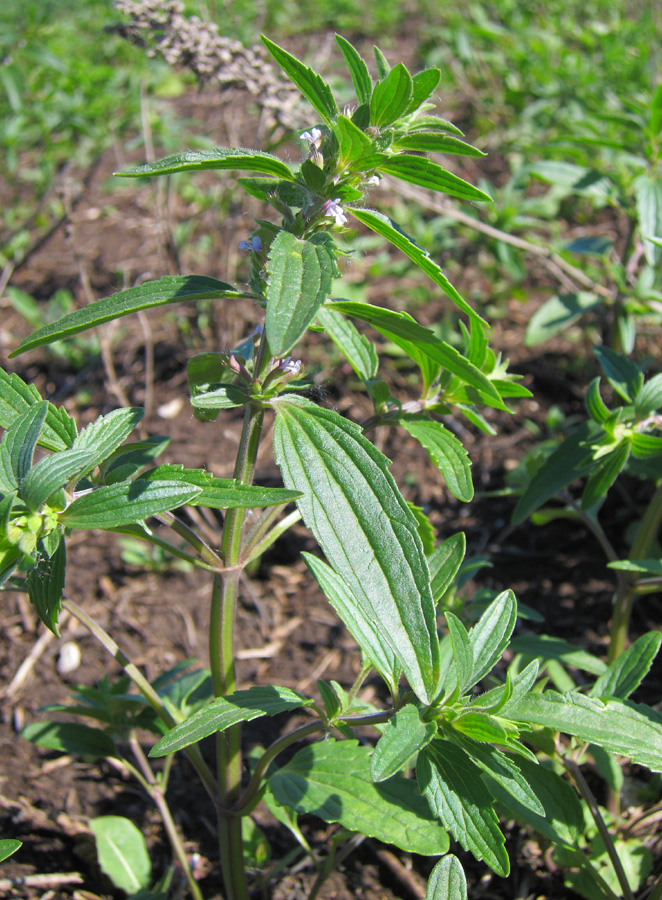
(287, 633)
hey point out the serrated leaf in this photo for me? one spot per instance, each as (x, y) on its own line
(455, 791)
(229, 396)
(446, 452)
(18, 445)
(625, 674)
(400, 328)
(220, 493)
(463, 656)
(353, 144)
(563, 821)
(312, 86)
(71, 737)
(107, 433)
(447, 880)
(7, 847)
(618, 726)
(238, 159)
(300, 278)
(490, 635)
(481, 727)
(331, 779)
(165, 291)
(45, 583)
(521, 685)
(425, 173)
(52, 473)
(603, 476)
(224, 712)
(358, 350)
(648, 194)
(403, 736)
(386, 228)
(423, 84)
(624, 376)
(353, 507)
(391, 96)
(433, 123)
(546, 647)
(122, 852)
(126, 503)
(504, 771)
(649, 397)
(360, 626)
(570, 461)
(357, 69)
(557, 314)
(435, 142)
(16, 397)
(445, 562)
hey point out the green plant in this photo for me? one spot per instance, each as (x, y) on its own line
(472, 731)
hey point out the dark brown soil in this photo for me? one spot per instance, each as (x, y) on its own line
(119, 238)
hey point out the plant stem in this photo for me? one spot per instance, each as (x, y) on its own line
(157, 793)
(626, 592)
(193, 752)
(225, 591)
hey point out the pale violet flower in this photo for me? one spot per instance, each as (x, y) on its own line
(255, 244)
(314, 138)
(374, 179)
(333, 208)
(290, 366)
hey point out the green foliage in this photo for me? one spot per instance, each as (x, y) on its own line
(122, 852)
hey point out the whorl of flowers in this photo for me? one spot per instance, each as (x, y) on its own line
(188, 42)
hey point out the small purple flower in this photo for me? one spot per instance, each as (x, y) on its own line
(334, 209)
(374, 179)
(290, 366)
(314, 138)
(254, 245)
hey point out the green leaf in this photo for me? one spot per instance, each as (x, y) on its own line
(7, 847)
(425, 173)
(463, 656)
(447, 880)
(645, 446)
(52, 473)
(557, 314)
(331, 779)
(391, 97)
(386, 228)
(572, 460)
(446, 452)
(238, 159)
(619, 726)
(126, 503)
(456, 793)
(165, 291)
(595, 405)
(355, 511)
(16, 397)
(300, 278)
(624, 376)
(435, 142)
(433, 123)
(648, 194)
(603, 476)
(423, 83)
(122, 852)
(220, 493)
(353, 144)
(481, 727)
(357, 69)
(401, 328)
(45, 583)
(504, 771)
(625, 674)
(72, 738)
(224, 712)
(19, 443)
(490, 635)
(645, 566)
(227, 397)
(649, 397)
(546, 647)
(360, 626)
(105, 434)
(383, 67)
(403, 736)
(563, 822)
(314, 89)
(445, 562)
(359, 351)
